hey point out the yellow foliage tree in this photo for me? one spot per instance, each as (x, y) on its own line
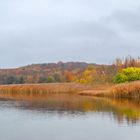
(88, 76)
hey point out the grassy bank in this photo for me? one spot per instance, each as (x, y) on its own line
(42, 88)
(126, 90)
(97, 90)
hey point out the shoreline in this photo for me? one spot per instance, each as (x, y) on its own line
(125, 90)
(129, 90)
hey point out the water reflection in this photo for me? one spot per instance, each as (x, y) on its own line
(67, 104)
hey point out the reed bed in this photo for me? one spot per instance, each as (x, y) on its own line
(39, 89)
(126, 90)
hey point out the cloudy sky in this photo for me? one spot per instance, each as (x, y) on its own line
(42, 31)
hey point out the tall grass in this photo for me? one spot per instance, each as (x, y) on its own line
(41, 88)
(126, 90)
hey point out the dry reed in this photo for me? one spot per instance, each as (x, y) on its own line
(41, 88)
(126, 90)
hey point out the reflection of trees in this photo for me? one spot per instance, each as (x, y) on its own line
(122, 110)
(126, 110)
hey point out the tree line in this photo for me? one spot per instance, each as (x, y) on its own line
(67, 72)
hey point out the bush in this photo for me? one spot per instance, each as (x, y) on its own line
(127, 75)
(120, 78)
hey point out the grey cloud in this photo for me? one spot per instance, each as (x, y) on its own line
(128, 20)
(35, 31)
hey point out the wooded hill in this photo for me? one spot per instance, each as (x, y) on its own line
(67, 72)
(51, 72)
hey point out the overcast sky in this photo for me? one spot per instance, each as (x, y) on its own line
(42, 31)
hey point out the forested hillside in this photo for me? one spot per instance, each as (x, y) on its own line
(52, 72)
(66, 72)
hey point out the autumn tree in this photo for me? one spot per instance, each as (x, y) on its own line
(70, 76)
(88, 76)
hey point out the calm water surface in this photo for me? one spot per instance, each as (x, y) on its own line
(67, 117)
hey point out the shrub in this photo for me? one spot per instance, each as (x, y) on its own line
(120, 78)
(127, 75)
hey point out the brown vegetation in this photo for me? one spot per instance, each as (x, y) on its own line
(41, 89)
(126, 90)
(97, 90)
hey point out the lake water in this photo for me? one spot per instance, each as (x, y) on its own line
(68, 117)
